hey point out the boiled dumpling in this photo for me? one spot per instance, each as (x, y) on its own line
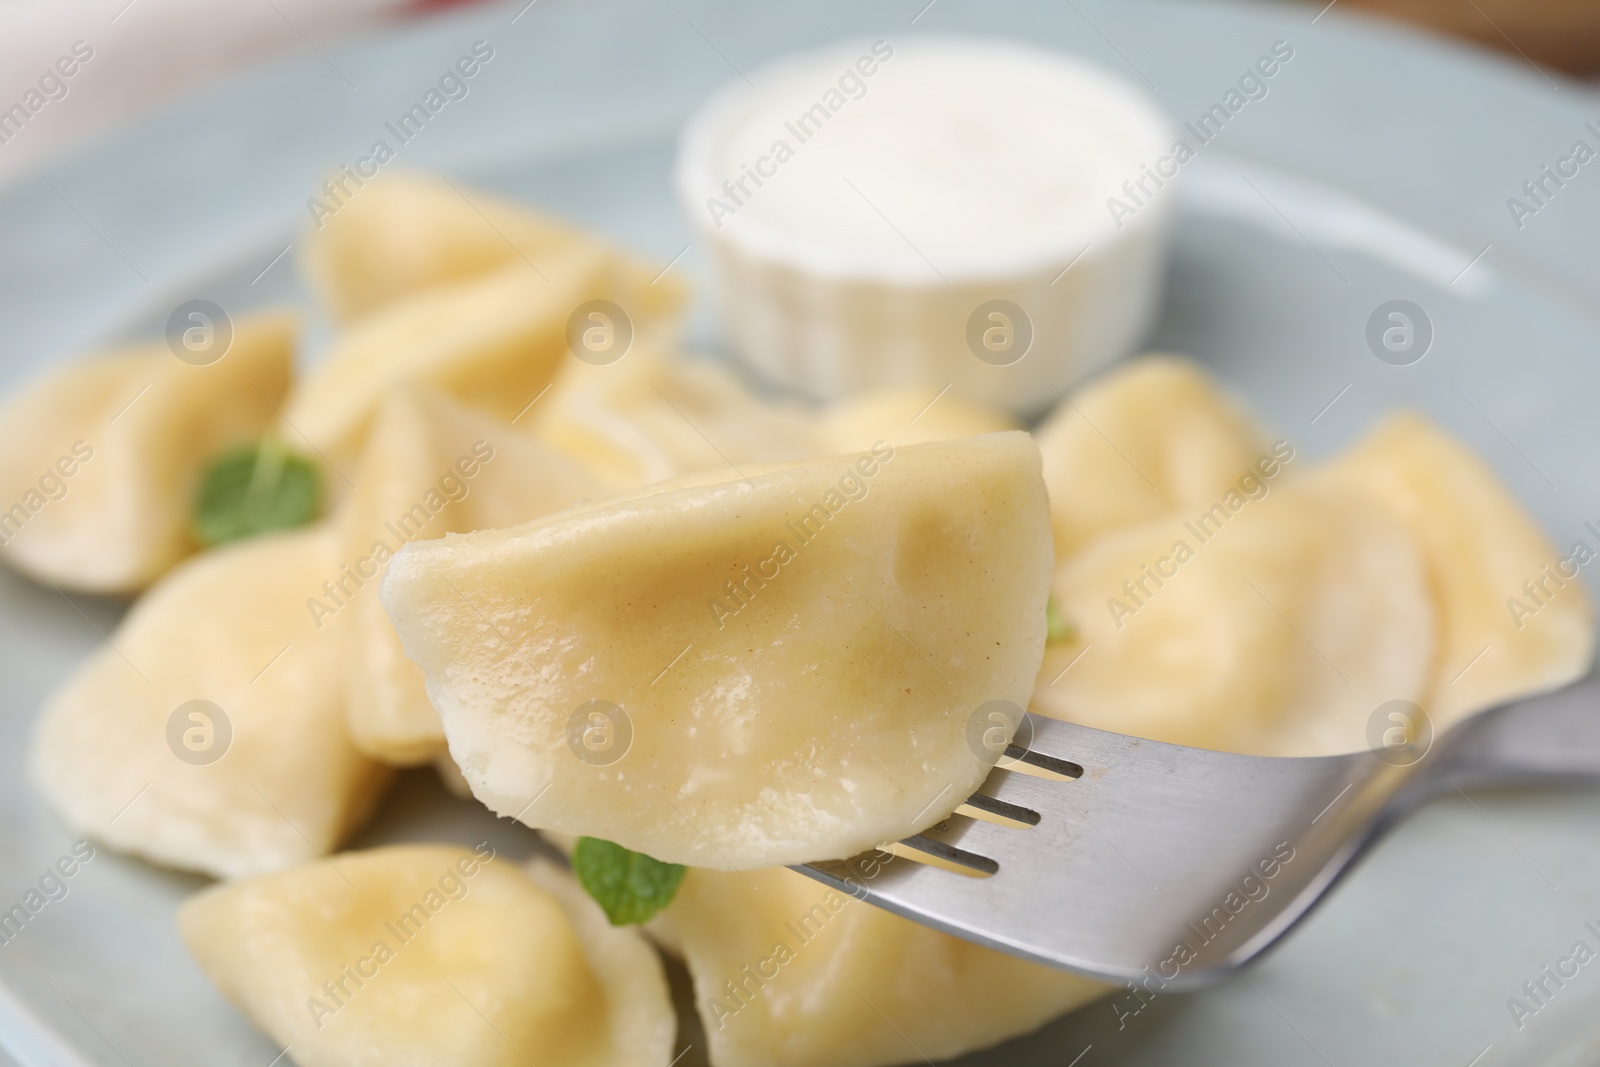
(209, 733)
(647, 419)
(1151, 437)
(404, 233)
(743, 674)
(790, 973)
(493, 341)
(1514, 616)
(907, 417)
(1277, 627)
(100, 460)
(431, 466)
(433, 956)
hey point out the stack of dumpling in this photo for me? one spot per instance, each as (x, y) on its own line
(536, 507)
(1281, 602)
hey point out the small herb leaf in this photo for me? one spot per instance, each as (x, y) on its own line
(253, 489)
(1056, 626)
(630, 887)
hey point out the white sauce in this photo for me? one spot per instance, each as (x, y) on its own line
(945, 150)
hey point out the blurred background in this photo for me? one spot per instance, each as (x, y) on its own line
(148, 50)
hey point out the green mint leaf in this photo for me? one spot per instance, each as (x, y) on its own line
(1056, 626)
(630, 887)
(253, 489)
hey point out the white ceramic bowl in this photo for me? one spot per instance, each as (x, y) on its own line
(933, 211)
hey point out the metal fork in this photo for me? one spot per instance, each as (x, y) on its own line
(1136, 861)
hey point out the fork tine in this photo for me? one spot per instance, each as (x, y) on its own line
(979, 806)
(1154, 860)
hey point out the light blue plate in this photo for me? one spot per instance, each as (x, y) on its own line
(1377, 168)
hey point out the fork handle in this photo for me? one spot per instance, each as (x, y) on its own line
(1554, 736)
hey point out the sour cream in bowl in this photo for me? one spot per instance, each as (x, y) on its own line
(976, 213)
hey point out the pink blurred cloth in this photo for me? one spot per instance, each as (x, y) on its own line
(70, 68)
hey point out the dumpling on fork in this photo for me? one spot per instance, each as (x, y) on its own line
(763, 671)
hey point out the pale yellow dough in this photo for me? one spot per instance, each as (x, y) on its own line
(404, 233)
(1498, 639)
(906, 417)
(790, 973)
(492, 341)
(232, 628)
(648, 418)
(1276, 629)
(433, 956)
(828, 713)
(471, 294)
(1153, 436)
(100, 460)
(431, 466)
